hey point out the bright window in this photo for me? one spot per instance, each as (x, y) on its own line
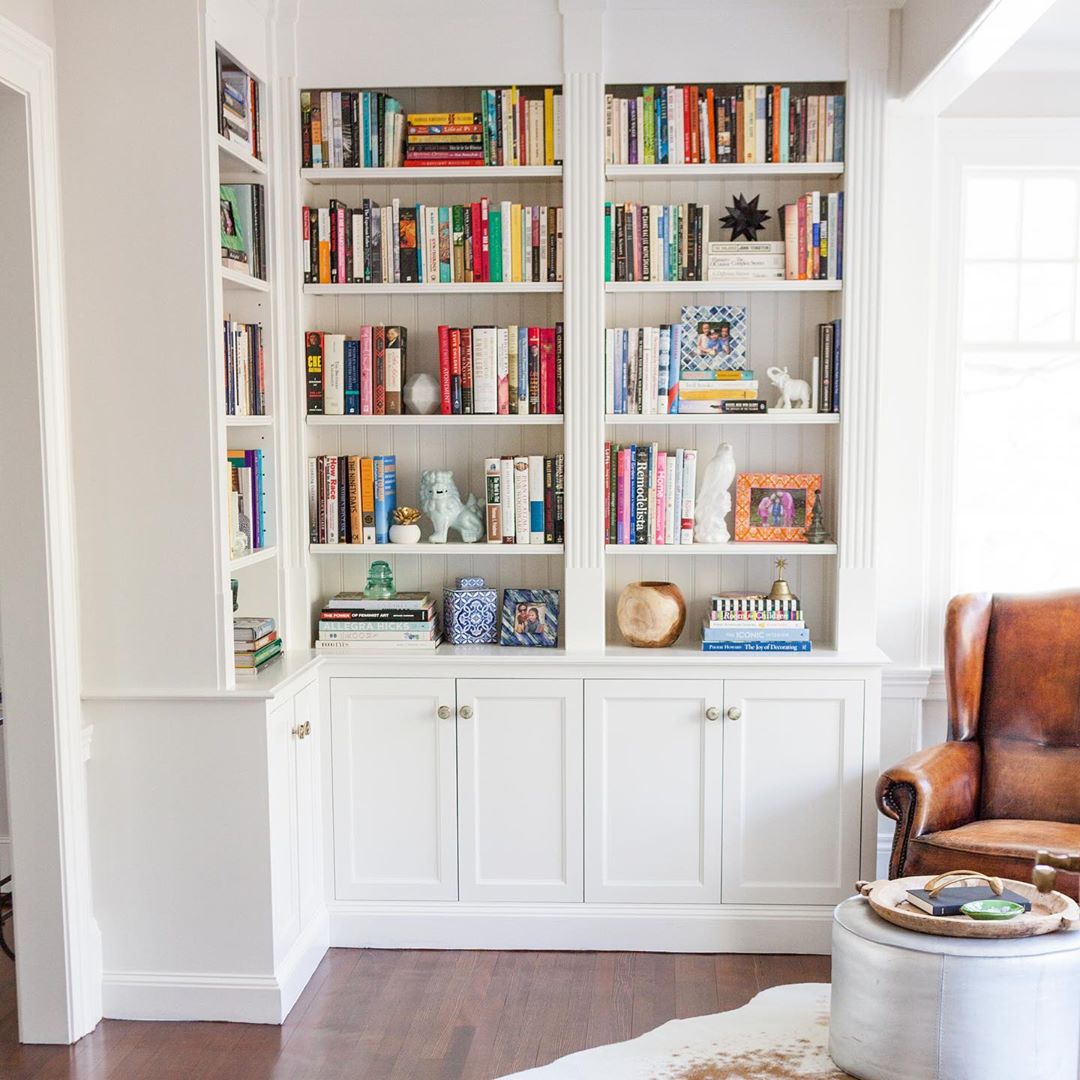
(1016, 500)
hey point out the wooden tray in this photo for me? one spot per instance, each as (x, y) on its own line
(1049, 911)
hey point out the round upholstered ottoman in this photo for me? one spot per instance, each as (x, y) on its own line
(908, 1006)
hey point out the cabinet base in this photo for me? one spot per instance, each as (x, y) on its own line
(706, 928)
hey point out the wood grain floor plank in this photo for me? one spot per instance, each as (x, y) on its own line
(695, 986)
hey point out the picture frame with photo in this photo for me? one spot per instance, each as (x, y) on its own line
(774, 506)
(712, 338)
(530, 617)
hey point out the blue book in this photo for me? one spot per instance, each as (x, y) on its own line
(384, 471)
(741, 634)
(352, 377)
(523, 370)
(421, 244)
(631, 517)
(662, 127)
(664, 375)
(764, 646)
(840, 236)
(366, 133)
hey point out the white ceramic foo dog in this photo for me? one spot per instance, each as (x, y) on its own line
(714, 500)
(440, 500)
(791, 390)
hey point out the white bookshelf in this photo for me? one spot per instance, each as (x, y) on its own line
(253, 558)
(432, 288)
(733, 171)
(474, 174)
(233, 279)
(783, 417)
(436, 421)
(248, 421)
(773, 550)
(235, 162)
(479, 550)
(732, 286)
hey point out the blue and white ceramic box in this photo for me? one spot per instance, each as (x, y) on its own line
(471, 613)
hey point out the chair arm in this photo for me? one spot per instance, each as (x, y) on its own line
(930, 791)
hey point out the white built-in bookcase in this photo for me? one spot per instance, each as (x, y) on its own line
(835, 580)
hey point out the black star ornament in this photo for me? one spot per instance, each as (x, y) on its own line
(744, 218)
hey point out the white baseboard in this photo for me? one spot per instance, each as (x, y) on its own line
(632, 927)
(251, 999)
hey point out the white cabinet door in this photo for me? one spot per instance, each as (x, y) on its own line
(309, 835)
(792, 790)
(395, 793)
(284, 869)
(652, 790)
(520, 789)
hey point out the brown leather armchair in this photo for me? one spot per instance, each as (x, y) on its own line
(1007, 783)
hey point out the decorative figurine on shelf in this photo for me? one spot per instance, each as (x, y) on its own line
(714, 501)
(235, 593)
(815, 531)
(780, 589)
(441, 501)
(405, 529)
(380, 581)
(744, 218)
(791, 390)
(421, 394)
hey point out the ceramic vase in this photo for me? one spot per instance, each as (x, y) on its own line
(651, 614)
(421, 394)
(404, 534)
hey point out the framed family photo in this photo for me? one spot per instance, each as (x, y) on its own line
(530, 617)
(774, 506)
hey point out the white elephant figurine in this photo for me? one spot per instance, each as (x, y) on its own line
(713, 503)
(791, 390)
(441, 501)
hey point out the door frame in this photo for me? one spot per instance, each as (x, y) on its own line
(58, 974)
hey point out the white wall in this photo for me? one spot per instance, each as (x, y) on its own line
(33, 16)
(1023, 94)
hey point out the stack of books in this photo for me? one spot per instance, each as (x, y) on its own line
(238, 106)
(247, 499)
(352, 622)
(402, 244)
(711, 392)
(446, 138)
(351, 500)
(245, 379)
(828, 370)
(350, 129)
(689, 125)
(740, 622)
(649, 494)
(361, 376)
(255, 643)
(525, 497)
(746, 260)
(654, 242)
(243, 239)
(813, 232)
(501, 370)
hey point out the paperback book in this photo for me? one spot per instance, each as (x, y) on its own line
(525, 499)
(356, 376)
(351, 499)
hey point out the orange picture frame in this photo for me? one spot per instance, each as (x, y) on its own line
(774, 506)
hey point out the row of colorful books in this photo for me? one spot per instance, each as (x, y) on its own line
(243, 238)
(828, 371)
(351, 129)
(525, 499)
(741, 622)
(255, 643)
(356, 376)
(649, 494)
(353, 622)
(689, 125)
(480, 241)
(247, 501)
(239, 112)
(812, 228)
(351, 499)
(509, 129)
(245, 375)
(651, 242)
(501, 370)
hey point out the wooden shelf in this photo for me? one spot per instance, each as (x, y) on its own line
(732, 548)
(435, 288)
(477, 173)
(480, 550)
(249, 421)
(721, 286)
(796, 417)
(720, 172)
(437, 420)
(232, 279)
(253, 557)
(233, 160)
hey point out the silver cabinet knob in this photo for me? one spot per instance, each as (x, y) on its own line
(734, 713)
(444, 712)
(465, 712)
(712, 713)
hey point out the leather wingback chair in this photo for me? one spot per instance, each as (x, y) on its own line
(1007, 782)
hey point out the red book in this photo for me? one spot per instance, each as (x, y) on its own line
(485, 240)
(442, 162)
(477, 243)
(547, 370)
(534, 370)
(694, 118)
(802, 238)
(445, 404)
(307, 237)
(686, 121)
(378, 334)
(467, 406)
(523, 142)
(339, 226)
(455, 371)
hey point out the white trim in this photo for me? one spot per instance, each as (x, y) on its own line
(58, 1001)
(905, 683)
(301, 961)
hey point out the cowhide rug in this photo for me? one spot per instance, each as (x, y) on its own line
(782, 1034)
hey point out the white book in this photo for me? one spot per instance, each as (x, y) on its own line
(815, 375)
(508, 501)
(502, 363)
(431, 264)
(624, 130)
(557, 127)
(521, 499)
(523, 370)
(834, 226)
(543, 244)
(679, 476)
(669, 500)
(675, 146)
(306, 222)
(536, 499)
(745, 247)
(493, 498)
(609, 371)
(485, 371)
(688, 488)
(736, 260)
(395, 247)
(748, 273)
(334, 374)
(633, 405)
(650, 369)
(504, 214)
(338, 151)
(609, 124)
(760, 129)
(331, 499)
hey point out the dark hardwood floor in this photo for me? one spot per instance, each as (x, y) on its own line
(389, 1015)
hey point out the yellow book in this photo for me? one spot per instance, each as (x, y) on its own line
(442, 118)
(518, 134)
(367, 499)
(549, 126)
(714, 393)
(356, 527)
(515, 242)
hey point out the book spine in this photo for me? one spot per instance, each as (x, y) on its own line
(522, 522)
(467, 373)
(548, 484)
(445, 402)
(493, 499)
(394, 368)
(534, 370)
(536, 499)
(378, 364)
(507, 501)
(315, 396)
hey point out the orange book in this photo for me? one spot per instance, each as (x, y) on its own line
(710, 121)
(776, 125)
(367, 499)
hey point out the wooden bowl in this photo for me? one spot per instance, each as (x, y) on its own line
(651, 614)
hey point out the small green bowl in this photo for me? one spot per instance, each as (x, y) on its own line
(998, 910)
